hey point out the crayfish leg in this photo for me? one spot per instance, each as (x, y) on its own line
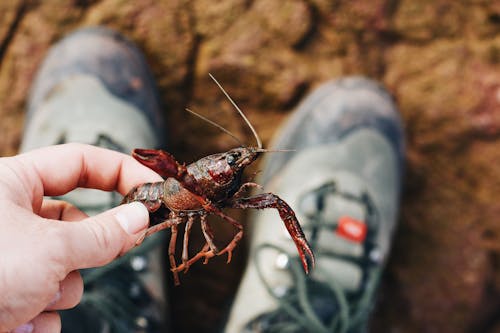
(171, 253)
(185, 243)
(154, 229)
(208, 233)
(205, 253)
(244, 187)
(210, 208)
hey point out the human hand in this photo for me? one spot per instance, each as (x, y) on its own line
(41, 247)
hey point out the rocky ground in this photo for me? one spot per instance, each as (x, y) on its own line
(439, 58)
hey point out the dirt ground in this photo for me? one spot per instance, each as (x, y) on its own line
(439, 58)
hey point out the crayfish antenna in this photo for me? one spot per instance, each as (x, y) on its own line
(213, 123)
(259, 142)
(262, 150)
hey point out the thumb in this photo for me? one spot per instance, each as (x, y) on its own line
(99, 239)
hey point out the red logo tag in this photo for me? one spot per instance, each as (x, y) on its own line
(351, 229)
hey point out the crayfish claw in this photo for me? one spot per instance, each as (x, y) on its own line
(306, 254)
(292, 225)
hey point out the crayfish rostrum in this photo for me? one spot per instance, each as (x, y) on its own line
(206, 187)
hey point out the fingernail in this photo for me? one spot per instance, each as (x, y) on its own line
(25, 328)
(133, 217)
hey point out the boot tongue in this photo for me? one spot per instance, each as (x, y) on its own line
(336, 218)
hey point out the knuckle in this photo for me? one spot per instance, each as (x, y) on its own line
(106, 239)
(101, 234)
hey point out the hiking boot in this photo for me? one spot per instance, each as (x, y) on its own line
(343, 181)
(95, 87)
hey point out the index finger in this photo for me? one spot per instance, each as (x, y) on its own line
(62, 168)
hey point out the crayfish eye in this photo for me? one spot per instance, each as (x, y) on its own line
(232, 158)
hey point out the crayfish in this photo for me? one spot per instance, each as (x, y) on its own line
(204, 188)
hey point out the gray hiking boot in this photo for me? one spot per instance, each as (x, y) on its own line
(344, 183)
(95, 87)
